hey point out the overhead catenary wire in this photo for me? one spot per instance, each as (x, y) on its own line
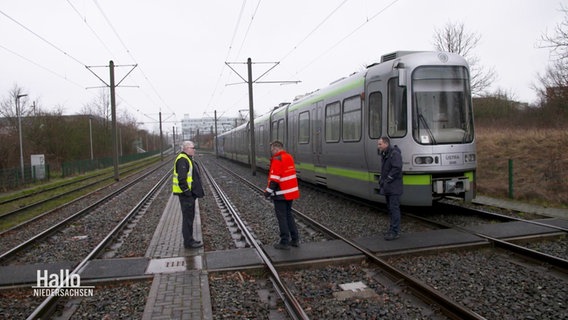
(248, 28)
(84, 19)
(67, 54)
(42, 38)
(235, 29)
(251, 14)
(309, 34)
(132, 56)
(289, 52)
(318, 26)
(52, 45)
(327, 51)
(42, 67)
(313, 30)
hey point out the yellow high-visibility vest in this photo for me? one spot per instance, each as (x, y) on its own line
(175, 185)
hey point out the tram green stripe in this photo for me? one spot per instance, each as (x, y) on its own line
(362, 175)
(408, 180)
(359, 82)
(417, 180)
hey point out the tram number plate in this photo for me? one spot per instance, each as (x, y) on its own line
(452, 159)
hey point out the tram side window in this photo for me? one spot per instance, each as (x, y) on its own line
(278, 131)
(274, 131)
(332, 122)
(375, 109)
(281, 131)
(260, 139)
(352, 119)
(304, 127)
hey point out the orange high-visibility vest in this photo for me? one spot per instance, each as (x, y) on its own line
(283, 173)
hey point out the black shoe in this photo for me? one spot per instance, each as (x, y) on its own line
(295, 244)
(391, 236)
(194, 245)
(281, 246)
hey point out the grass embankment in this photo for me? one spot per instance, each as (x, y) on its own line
(540, 164)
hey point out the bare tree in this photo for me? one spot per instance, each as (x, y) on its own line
(8, 105)
(553, 88)
(99, 106)
(454, 38)
(554, 81)
(558, 42)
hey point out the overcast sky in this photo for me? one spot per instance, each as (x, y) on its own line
(181, 48)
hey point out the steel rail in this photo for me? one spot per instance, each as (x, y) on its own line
(68, 183)
(46, 306)
(560, 263)
(479, 212)
(46, 213)
(40, 202)
(55, 187)
(6, 255)
(292, 304)
(453, 310)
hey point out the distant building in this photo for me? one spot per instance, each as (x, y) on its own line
(190, 128)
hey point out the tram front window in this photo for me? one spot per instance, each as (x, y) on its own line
(442, 112)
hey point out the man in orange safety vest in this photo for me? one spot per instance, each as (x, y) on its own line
(282, 188)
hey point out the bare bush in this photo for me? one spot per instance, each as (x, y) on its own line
(540, 166)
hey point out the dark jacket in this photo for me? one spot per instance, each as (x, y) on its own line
(182, 167)
(391, 172)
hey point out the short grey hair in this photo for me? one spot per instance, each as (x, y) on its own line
(186, 144)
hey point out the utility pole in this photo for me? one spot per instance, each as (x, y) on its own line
(161, 122)
(251, 118)
(174, 136)
(112, 86)
(216, 141)
(161, 140)
(19, 115)
(251, 104)
(113, 115)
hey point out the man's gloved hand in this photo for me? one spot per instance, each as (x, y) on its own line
(267, 194)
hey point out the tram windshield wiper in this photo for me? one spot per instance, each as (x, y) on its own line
(421, 118)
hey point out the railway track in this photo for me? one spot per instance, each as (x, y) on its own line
(450, 308)
(293, 307)
(392, 256)
(46, 308)
(26, 236)
(314, 281)
(104, 237)
(27, 207)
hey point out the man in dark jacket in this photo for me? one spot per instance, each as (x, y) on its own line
(390, 183)
(187, 186)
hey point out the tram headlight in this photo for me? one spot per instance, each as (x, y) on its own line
(423, 160)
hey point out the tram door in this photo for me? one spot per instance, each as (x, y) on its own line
(317, 133)
(374, 111)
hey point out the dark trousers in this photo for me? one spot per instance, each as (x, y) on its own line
(393, 206)
(286, 222)
(188, 214)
